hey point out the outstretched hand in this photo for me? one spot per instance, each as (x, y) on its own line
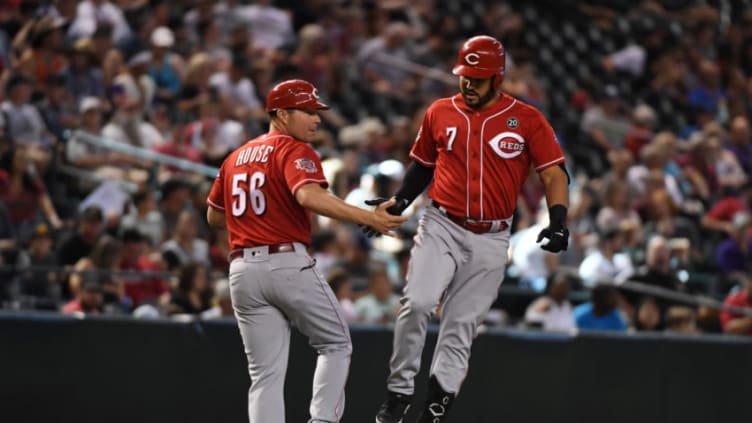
(391, 206)
(558, 239)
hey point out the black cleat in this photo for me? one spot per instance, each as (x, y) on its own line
(394, 409)
(438, 403)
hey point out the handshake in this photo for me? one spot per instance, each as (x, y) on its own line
(395, 209)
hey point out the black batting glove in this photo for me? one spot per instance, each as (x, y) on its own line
(556, 232)
(395, 210)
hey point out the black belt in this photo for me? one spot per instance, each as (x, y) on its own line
(472, 225)
(284, 247)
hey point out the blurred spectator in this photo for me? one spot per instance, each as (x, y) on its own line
(600, 313)
(166, 68)
(326, 250)
(728, 170)
(641, 132)
(606, 264)
(648, 315)
(41, 282)
(193, 294)
(681, 320)
(132, 94)
(270, 25)
(222, 302)
(106, 164)
(24, 193)
(57, 108)
(83, 77)
(734, 255)
(618, 211)
(145, 218)
(342, 287)
(375, 54)
(92, 14)
(720, 216)
(219, 250)
(98, 269)
(236, 91)
(81, 243)
(740, 143)
(380, 305)
(176, 196)
(44, 57)
(89, 300)
(658, 270)
(139, 287)
(552, 311)
(185, 247)
(22, 124)
(605, 122)
(535, 265)
(734, 323)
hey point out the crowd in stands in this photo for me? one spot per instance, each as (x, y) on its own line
(651, 101)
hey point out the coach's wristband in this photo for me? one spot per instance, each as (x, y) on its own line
(557, 215)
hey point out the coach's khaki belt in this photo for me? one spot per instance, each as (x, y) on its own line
(285, 247)
(472, 225)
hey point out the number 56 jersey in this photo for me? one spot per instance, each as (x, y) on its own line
(482, 157)
(256, 188)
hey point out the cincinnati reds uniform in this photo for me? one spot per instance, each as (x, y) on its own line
(273, 281)
(481, 160)
(480, 147)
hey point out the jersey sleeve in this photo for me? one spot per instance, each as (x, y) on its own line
(301, 165)
(216, 197)
(545, 150)
(424, 149)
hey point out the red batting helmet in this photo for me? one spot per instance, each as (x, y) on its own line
(294, 94)
(481, 57)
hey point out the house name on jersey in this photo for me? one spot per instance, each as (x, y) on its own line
(256, 154)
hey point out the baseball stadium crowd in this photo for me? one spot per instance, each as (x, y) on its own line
(650, 100)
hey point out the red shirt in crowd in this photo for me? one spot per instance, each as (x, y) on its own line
(739, 299)
(139, 288)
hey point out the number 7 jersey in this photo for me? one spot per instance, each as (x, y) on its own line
(482, 157)
(255, 189)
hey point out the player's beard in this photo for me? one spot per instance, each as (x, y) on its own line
(482, 100)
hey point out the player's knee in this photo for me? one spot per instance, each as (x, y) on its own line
(420, 306)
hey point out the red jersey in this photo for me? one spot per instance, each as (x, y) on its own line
(256, 188)
(739, 299)
(482, 157)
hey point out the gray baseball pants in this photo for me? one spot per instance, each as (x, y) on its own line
(269, 293)
(470, 268)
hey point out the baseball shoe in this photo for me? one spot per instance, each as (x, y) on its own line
(438, 403)
(394, 409)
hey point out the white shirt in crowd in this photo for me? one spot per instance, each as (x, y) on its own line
(596, 267)
(558, 317)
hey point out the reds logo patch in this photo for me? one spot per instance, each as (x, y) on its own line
(306, 165)
(507, 145)
(512, 122)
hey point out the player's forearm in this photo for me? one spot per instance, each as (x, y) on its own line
(322, 202)
(416, 180)
(555, 183)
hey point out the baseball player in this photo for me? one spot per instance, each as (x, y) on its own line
(477, 148)
(263, 194)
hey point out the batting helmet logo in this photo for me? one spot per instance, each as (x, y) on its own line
(481, 57)
(472, 59)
